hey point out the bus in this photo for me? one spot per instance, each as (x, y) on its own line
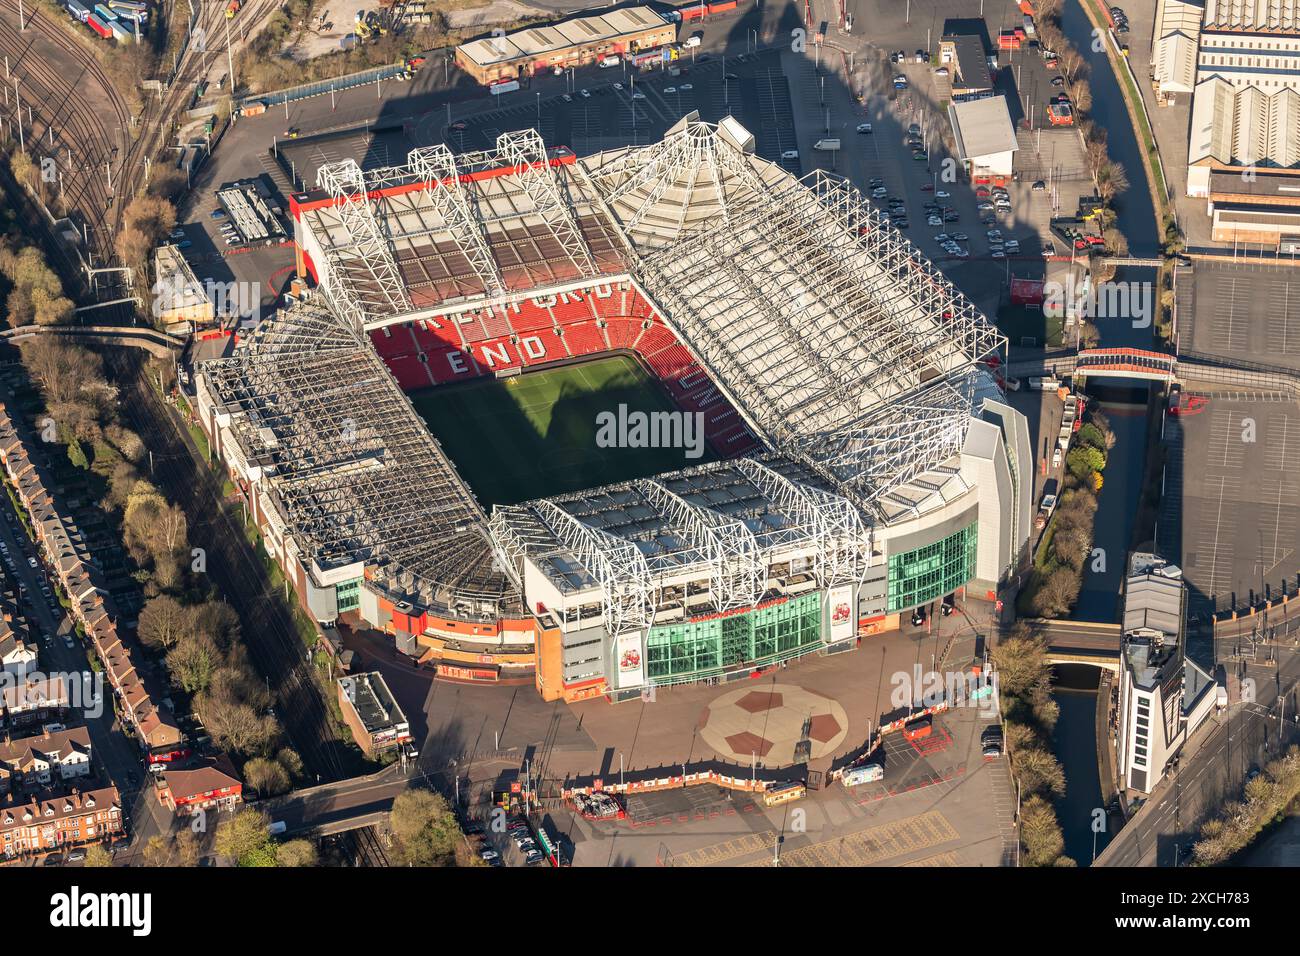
(862, 773)
(779, 793)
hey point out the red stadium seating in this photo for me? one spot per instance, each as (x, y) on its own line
(446, 349)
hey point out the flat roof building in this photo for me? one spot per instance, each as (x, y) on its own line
(1163, 695)
(986, 137)
(369, 709)
(969, 63)
(559, 46)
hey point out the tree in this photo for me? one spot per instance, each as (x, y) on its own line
(96, 855)
(1039, 771)
(192, 662)
(1082, 461)
(217, 620)
(1057, 594)
(187, 847)
(1041, 833)
(163, 621)
(1090, 434)
(268, 776)
(1021, 662)
(296, 853)
(156, 852)
(245, 837)
(425, 831)
(234, 725)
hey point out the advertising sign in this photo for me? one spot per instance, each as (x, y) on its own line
(629, 660)
(843, 615)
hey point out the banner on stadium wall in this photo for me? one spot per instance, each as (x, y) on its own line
(630, 660)
(843, 616)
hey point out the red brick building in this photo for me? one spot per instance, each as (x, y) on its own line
(79, 818)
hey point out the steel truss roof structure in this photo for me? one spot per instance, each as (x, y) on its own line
(727, 522)
(829, 331)
(313, 405)
(835, 340)
(455, 227)
(370, 249)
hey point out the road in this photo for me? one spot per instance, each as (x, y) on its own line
(1164, 828)
(112, 751)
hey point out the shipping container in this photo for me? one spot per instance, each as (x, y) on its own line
(106, 16)
(722, 7)
(98, 26)
(121, 33)
(78, 11)
(693, 13)
(132, 5)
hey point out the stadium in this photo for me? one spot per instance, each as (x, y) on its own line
(414, 435)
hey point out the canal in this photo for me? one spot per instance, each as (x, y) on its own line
(1075, 687)
(1074, 742)
(1124, 405)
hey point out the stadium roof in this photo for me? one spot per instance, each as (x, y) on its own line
(843, 348)
(352, 466)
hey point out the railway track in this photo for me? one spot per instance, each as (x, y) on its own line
(60, 124)
(268, 627)
(91, 150)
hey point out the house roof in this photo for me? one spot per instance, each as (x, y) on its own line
(190, 783)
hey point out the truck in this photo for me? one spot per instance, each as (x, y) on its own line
(612, 59)
(826, 145)
(505, 86)
(1067, 422)
(1047, 505)
(277, 828)
(691, 41)
(1029, 25)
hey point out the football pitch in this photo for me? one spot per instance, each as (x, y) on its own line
(534, 435)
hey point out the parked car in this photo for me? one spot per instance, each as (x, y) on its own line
(918, 617)
(790, 154)
(864, 127)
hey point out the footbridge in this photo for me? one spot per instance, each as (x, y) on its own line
(157, 344)
(1080, 642)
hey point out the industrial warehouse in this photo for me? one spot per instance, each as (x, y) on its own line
(567, 44)
(864, 462)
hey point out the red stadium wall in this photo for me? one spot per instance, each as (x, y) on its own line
(586, 322)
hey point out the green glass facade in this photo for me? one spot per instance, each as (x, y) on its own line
(696, 650)
(348, 595)
(928, 573)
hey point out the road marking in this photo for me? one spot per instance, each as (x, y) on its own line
(871, 846)
(727, 850)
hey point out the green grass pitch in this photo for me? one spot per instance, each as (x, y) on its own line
(534, 435)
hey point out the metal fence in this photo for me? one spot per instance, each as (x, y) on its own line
(324, 87)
